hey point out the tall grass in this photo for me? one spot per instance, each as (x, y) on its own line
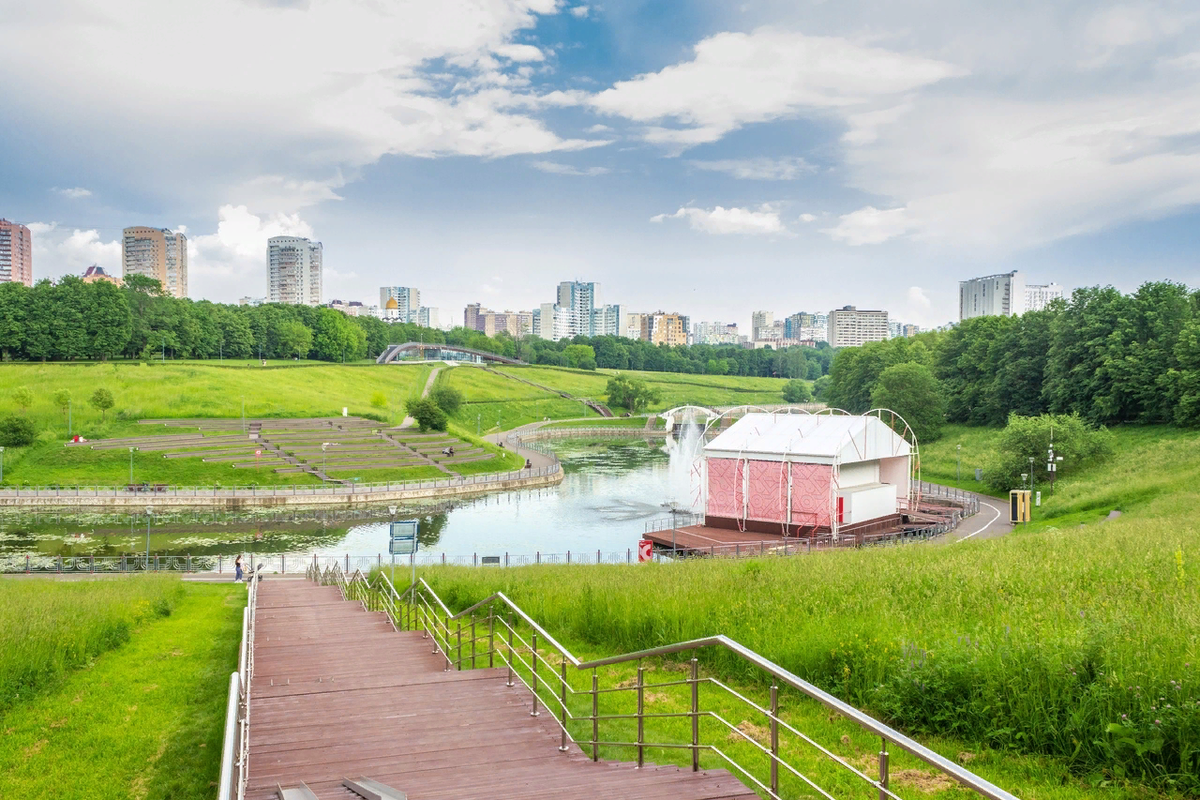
(1082, 643)
(48, 628)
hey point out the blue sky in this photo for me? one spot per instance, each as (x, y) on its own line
(709, 158)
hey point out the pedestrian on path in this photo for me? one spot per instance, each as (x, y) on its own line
(237, 567)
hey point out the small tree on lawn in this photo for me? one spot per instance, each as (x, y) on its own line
(629, 393)
(101, 400)
(427, 414)
(23, 397)
(447, 398)
(62, 399)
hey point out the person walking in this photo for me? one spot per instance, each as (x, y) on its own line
(237, 567)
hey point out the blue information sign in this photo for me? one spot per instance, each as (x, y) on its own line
(403, 538)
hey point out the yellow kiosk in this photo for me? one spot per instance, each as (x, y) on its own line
(1019, 505)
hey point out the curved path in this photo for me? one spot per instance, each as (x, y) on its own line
(409, 421)
(991, 521)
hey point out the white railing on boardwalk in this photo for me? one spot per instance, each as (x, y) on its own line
(235, 748)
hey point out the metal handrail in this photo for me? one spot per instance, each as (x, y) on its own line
(235, 750)
(420, 608)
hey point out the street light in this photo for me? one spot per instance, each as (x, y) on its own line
(1, 465)
(670, 506)
(164, 348)
(132, 450)
(958, 462)
(391, 545)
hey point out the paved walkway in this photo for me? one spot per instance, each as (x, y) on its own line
(408, 422)
(338, 693)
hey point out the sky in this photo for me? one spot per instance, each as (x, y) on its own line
(708, 157)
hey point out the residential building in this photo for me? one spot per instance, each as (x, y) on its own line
(354, 308)
(801, 319)
(580, 300)
(514, 323)
(852, 327)
(471, 316)
(716, 333)
(1038, 296)
(1000, 295)
(294, 271)
(552, 322)
(633, 325)
(16, 253)
(251, 301)
(761, 319)
(408, 301)
(663, 328)
(429, 317)
(157, 253)
(909, 330)
(816, 333)
(96, 273)
(609, 320)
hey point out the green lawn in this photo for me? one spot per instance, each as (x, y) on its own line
(142, 721)
(1037, 643)
(1154, 470)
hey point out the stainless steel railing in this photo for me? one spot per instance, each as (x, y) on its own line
(235, 749)
(531, 655)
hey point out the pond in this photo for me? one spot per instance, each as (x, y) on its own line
(610, 491)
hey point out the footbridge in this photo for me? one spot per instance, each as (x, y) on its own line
(349, 688)
(422, 351)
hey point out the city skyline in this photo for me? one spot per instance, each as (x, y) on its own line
(616, 141)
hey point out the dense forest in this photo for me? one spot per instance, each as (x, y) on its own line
(72, 320)
(1106, 356)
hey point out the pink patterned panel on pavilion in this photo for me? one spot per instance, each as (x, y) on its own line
(724, 488)
(768, 491)
(811, 487)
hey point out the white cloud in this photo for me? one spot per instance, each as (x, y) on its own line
(721, 220)
(918, 299)
(555, 168)
(736, 79)
(58, 252)
(759, 169)
(225, 264)
(77, 193)
(870, 225)
(807, 218)
(520, 52)
(580, 12)
(294, 93)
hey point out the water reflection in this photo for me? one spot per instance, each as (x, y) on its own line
(609, 491)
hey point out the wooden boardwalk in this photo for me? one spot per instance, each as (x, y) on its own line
(338, 693)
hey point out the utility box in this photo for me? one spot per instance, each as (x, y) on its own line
(1019, 506)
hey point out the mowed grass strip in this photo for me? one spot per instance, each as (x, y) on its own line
(143, 721)
(49, 628)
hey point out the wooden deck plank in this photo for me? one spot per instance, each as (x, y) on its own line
(337, 692)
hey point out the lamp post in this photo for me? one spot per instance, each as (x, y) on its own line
(1031, 477)
(958, 462)
(149, 513)
(132, 450)
(164, 348)
(671, 507)
(1, 465)
(391, 545)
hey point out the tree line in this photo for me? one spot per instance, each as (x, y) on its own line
(1107, 356)
(72, 320)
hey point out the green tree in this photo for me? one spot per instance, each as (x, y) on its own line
(447, 398)
(102, 401)
(109, 323)
(912, 392)
(821, 387)
(580, 356)
(16, 431)
(797, 391)
(1079, 444)
(22, 396)
(14, 297)
(629, 393)
(62, 399)
(295, 338)
(427, 414)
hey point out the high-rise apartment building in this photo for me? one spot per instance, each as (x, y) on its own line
(471, 316)
(761, 319)
(850, 327)
(716, 333)
(157, 253)
(408, 301)
(909, 330)
(579, 299)
(609, 320)
(1000, 295)
(294, 271)
(16, 253)
(552, 322)
(1038, 296)
(663, 328)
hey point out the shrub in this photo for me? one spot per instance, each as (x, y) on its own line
(797, 392)
(447, 398)
(62, 399)
(16, 432)
(379, 400)
(1079, 444)
(23, 397)
(427, 414)
(630, 393)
